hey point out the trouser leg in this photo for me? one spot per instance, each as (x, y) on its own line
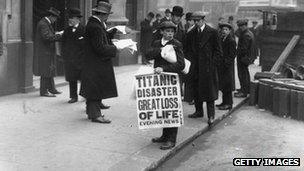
(246, 80)
(43, 85)
(93, 108)
(51, 84)
(210, 109)
(170, 134)
(227, 97)
(73, 89)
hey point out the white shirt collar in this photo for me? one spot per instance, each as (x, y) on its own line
(203, 27)
(76, 25)
(48, 20)
(190, 28)
(164, 42)
(97, 18)
(104, 24)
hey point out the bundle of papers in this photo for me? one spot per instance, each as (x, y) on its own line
(168, 53)
(120, 28)
(126, 43)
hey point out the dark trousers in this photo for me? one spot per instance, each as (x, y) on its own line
(210, 107)
(244, 78)
(170, 134)
(47, 84)
(73, 89)
(227, 97)
(93, 108)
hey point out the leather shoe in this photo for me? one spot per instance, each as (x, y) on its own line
(210, 121)
(102, 106)
(158, 140)
(101, 120)
(240, 95)
(55, 92)
(73, 100)
(225, 107)
(196, 115)
(48, 95)
(168, 145)
(219, 105)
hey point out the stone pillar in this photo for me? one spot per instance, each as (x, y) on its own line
(26, 55)
(119, 13)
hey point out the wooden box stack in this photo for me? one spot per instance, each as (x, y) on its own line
(283, 97)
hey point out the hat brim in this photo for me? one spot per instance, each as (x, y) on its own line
(225, 25)
(177, 14)
(101, 11)
(197, 17)
(53, 13)
(71, 16)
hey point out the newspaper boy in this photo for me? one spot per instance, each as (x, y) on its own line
(168, 57)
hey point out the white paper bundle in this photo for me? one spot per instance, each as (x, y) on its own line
(187, 66)
(169, 54)
(126, 43)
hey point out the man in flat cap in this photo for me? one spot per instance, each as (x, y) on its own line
(146, 35)
(188, 93)
(97, 77)
(256, 29)
(168, 29)
(204, 46)
(73, 52)
(245, 57)
(45, 54)
(226, 68)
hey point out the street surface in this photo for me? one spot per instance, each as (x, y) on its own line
(40, 133)
(250, 133)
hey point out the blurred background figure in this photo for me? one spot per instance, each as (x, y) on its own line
(45, 54)
(256, 29)
(226, 67)
(157, 22)
(146, 35)
(189, 22)
(73, 52)
(167, 16)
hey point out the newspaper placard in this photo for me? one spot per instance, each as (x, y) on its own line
(158, 100)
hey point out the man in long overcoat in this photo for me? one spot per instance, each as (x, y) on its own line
(226, 68)
(97, 77)
(205, 46)
(45, 54)
(73, 52)
(245, 53)
(146, 36)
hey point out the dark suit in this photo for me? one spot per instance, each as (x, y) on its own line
(45, 55)
(245, 53)
(226, 69)
(146, 36)
(206, 51)
(73, 54)
(189, 89)
(97, 77)
(154, 53)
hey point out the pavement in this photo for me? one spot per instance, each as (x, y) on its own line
(40, 133)
(247, 133)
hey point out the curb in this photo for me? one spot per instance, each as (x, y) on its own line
(177, 148)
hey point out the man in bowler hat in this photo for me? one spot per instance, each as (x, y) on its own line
(97, 77)
(167, 16)
(73, 52)
(45, 54)
(204, 45)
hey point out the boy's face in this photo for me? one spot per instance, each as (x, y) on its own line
(190, 22)
(225, 31)
(168, 33)
(74, 21)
